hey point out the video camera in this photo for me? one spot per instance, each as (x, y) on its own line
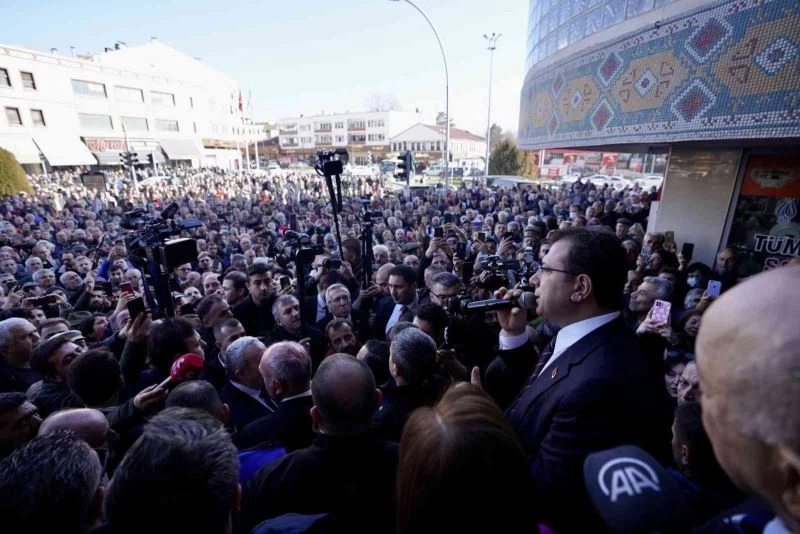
(331, 162)
(153, 233)
(499, 269)
(302, 249)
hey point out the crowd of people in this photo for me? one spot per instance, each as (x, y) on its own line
(513, 360)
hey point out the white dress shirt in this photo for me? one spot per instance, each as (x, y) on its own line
(322, 308)
(394, 318)
(566, 337)
(304, 394)
(255, 393)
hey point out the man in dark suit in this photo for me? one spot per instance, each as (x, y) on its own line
(404, 300)
(244, 393)
(590, 390)
(285, 369)
(314, 308)
(255, 312)
(347, 472)
(339, 305)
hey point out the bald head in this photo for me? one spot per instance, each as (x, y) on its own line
(344, 394)
(748, 358)
(89, 424)
(748, 346)
(286, 370)
(382, 277)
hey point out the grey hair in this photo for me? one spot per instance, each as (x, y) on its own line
(380, 248)
(448, 280)
(280, 301)
(664, 287)
(335, 287)
(236, 353)
(414, 353)
(263, 260)
(31, 259)
(692, 293)
(7, 326)
(41, 272)
(289, 363)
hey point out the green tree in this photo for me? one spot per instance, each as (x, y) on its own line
(495, 136)
(12, 177)
(441, 120)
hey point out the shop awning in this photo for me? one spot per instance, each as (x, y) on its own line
(112, 157)
(64, 151)
(22, 147)
(177, 149)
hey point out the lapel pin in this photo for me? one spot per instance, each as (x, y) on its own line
(554, 373)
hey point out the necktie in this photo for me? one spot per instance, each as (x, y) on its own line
(403, 311)
(544, 357)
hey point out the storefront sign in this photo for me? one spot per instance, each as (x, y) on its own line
(766, 229)
(103, 145)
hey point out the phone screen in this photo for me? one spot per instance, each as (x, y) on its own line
(136, 307)
(438, 232)
(714, 288)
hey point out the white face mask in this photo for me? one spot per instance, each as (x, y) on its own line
(691, 281)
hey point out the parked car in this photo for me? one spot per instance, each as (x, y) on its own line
(650, 180)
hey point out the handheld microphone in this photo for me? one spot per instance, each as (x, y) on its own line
(186, 367)
(527, 300)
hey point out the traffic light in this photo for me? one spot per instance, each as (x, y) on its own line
(405, 167)
(129, 158)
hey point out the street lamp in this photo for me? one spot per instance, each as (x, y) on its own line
(491, 41)
(446, 94)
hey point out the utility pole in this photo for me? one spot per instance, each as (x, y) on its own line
(491, 41)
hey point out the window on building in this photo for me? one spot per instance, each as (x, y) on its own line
(164, 125)
(5, 81)
(162, 99)
(13, 116)
(37, 117)
(135, 124)
(339, 125)
(27, 80)
(129, 94)
(83, 88)
(91, 121)
(355, 124)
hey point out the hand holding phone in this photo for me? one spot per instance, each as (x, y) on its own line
(661, 312)
(714, 288)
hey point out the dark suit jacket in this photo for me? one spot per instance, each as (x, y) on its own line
(308, 309)
(383, 312)
(398, 403)
(350, 477)
(256, 320)
(598, 394)
(244, 408)
(290, 425)
(319, 345)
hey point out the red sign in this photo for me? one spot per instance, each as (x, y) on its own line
(552, 171)
(610, 160)
(103, 145)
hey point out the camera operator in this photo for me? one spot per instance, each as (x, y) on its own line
(469, 338)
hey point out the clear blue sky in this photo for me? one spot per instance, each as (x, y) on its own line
(306, 56)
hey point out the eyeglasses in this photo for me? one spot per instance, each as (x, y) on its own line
(541, 268)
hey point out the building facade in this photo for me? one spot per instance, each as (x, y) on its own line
(426, 142)
(365, 135)
(712, 85)
(150, 99)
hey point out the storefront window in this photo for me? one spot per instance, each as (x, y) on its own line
(766, 227)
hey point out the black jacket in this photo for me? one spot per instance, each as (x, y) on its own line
(289, 425)
(598, 394)
(16, 378)
(319, 345)
(244, 409)
(350, 477)
(398, 403)
(54, 397)
(257, 320)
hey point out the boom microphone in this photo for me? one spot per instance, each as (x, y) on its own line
(186, 367)
(527, 300)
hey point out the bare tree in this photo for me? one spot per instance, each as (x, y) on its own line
(383, 102)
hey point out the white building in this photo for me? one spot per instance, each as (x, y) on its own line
(152, 99)
(426, 141)
(365, 135)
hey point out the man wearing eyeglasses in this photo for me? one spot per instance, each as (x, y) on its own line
(589, 390)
